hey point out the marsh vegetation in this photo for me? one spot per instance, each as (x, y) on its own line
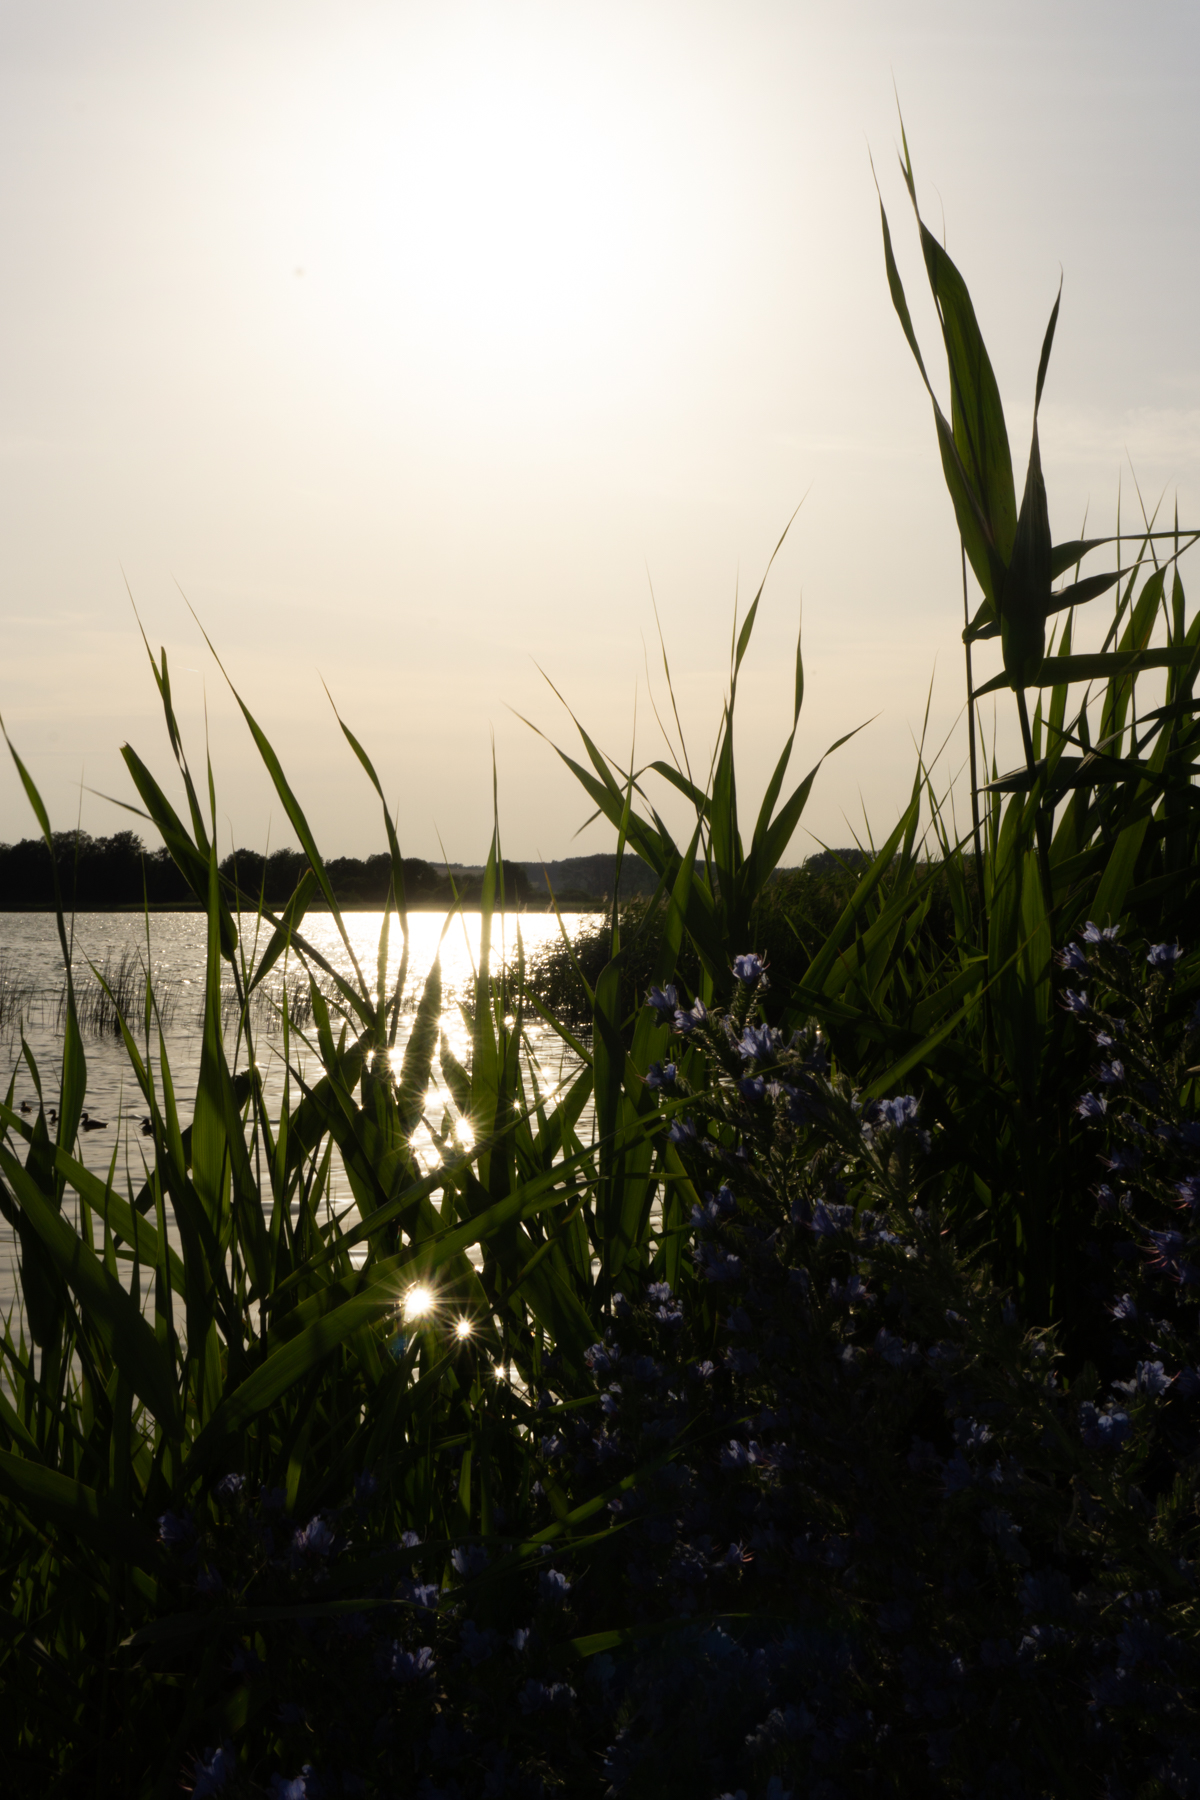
(807, 1383)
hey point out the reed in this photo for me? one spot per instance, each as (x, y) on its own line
(119, 990)
(17, 995)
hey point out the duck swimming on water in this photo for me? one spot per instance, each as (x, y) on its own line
(147, 1128)
(93, 1124)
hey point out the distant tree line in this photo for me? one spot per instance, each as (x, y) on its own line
(92, 872)
(104, 872)
(118, 871)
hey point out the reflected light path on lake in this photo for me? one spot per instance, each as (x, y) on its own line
(31, 988)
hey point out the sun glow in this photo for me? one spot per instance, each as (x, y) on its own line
(418, 1303)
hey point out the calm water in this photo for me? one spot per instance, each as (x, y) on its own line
(31, 976)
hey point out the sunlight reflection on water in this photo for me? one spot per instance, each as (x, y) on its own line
(31, 970)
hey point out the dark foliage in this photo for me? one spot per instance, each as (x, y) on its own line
(840, 1524)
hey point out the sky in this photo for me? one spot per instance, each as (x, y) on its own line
(416, 346)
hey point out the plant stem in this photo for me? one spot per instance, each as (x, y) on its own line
(982, 905)
(1039, 817)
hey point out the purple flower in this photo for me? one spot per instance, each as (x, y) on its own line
(540, 1696)
(664, 1002)
(899, 1112)
(661, 1075)
(753, 1090)
(1102, 1430)
(213, 1772)
(1092, 1106)
(407, 1666)
(1122, 1160)
(1163, 956)
(759, 1043)
(1189, 1191)
(1124, 1308)
(969, 1434)
(827, 1221)
(893, 1350)
(683, 1131)
(301, 1787)
(1075, 1002)
(424, 1594)
(520, 1638)
(553, 1587)
(718, 1265)
(1148, 1378)
(313, 1539)
(703, 1371)
(175, 1532)
(469, 1560)
(1072, 958)
(1167, 1248)
(749, 969)
(686, 1022)
(802, 1107)
(1100, 934)
(598, 1360)
(735, 1455)
(229, 1489)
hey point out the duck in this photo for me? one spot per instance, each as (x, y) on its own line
(27, 1106)
(93, 1124)
(147, 1127)
(52, 1116)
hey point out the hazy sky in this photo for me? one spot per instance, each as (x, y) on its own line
(413, 342)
